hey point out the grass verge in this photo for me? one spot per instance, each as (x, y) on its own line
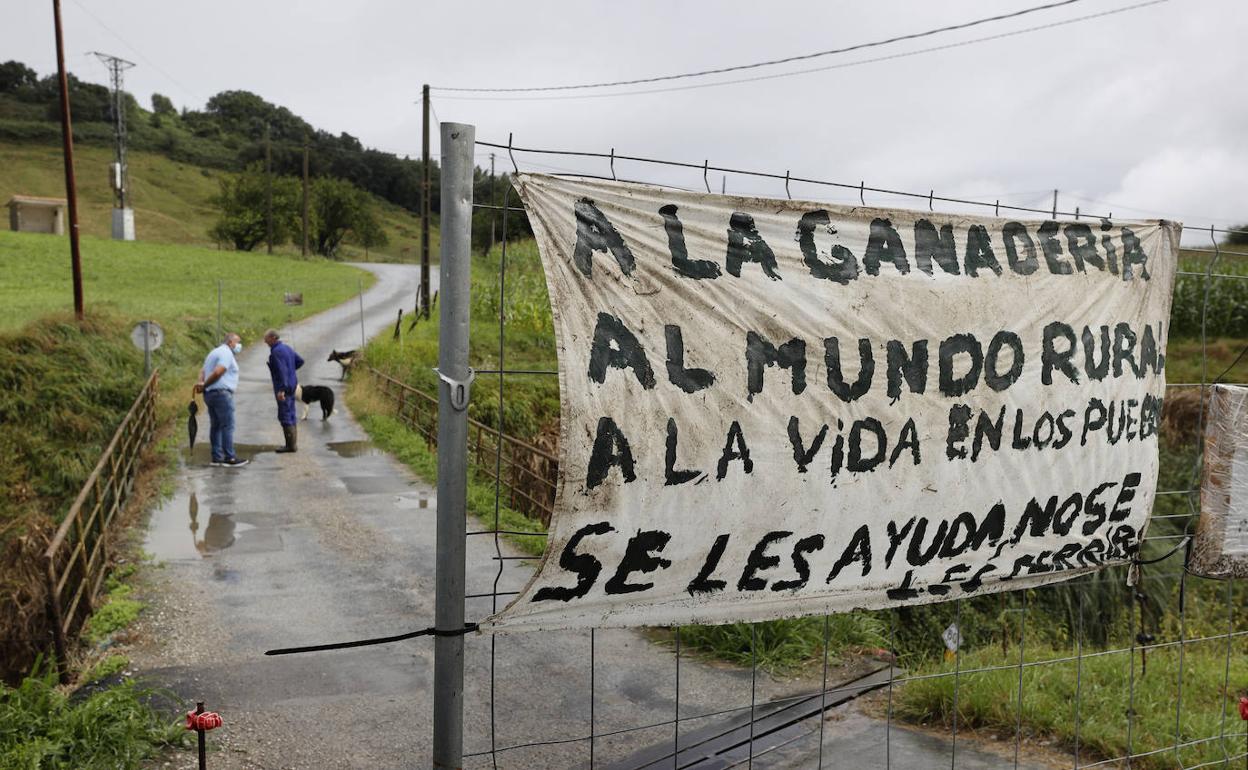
(44, 727)
(385, 429)
(1103, 689)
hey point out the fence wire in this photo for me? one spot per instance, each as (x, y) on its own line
(1090, 658)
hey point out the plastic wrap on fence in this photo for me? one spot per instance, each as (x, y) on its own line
(1221, 545)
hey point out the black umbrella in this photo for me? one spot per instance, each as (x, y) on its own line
(192, 425)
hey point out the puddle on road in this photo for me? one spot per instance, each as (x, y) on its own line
(184, 529)
(201, 454)
(354, 448)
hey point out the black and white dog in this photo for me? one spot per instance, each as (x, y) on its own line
(315, 394)
(344, 358)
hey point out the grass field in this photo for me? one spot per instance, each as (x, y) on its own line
(166, 282)
(171, 199)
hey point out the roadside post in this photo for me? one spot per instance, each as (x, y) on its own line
(453, 391)
(147, 336)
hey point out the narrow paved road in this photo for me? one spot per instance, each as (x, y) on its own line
(336, 543)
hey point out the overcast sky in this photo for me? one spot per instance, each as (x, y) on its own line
(1140, 113)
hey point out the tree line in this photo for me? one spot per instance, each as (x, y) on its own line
(229, 134)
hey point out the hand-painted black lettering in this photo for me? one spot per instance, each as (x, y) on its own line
(884, 245)
(1051, 358)
(702, 584)
(1149, 352)
(979, 252)
(759, 560)
(1096, 511)
(1052, 249)
(959, 430)
(1124, 350)
(616, 347)
(734, 449)
(908, 438)
(586, 567)
(985, 427)
(671, 476)
(1070, 508)
(992, 376)
(912, 367)
(689, 268)
(836, 379)
(1094, 418)
(1125, 496)
(966, 344)
(594, 232)
(760, 354)
(858, 550)
(1096, 369)
(904, 591)
(688, 380)
(895, 538)
(1081, 244)
(916, 555)
(800, 549)
(842, 266)
(746, 245)
(858, 463)
(1133, 254)
(801, 455)
(961, 535)
(610, 449)
(1013, 232)
(928, 246)
(1036, 520)
(639, 556)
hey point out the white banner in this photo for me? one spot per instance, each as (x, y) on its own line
(774, 408)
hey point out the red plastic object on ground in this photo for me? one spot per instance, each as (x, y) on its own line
(211, 720)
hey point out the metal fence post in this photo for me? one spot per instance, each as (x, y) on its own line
(448, 661)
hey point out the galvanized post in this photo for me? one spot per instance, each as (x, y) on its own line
(448, 650)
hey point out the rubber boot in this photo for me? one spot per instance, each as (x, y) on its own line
(291, 437)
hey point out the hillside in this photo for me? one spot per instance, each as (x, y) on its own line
(171, 198)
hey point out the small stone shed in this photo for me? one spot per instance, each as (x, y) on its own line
(32, 214)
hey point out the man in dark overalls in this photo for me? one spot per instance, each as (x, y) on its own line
(283, 361)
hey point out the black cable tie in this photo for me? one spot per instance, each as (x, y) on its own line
(467, 629)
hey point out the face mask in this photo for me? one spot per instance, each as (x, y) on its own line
(238, 348)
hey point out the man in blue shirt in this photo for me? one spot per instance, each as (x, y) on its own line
(283, 361)
(218, 379)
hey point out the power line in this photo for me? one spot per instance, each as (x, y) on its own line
(826, 68)
(185, 91)
(785, 60)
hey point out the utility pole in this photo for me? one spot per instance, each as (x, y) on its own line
(305, 196)
(123, 215)
(71, 188)
(422, 298)
(268, 189)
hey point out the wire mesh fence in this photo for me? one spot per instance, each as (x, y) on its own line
(1099, 671)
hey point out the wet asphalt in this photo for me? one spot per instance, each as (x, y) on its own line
(335, 543)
